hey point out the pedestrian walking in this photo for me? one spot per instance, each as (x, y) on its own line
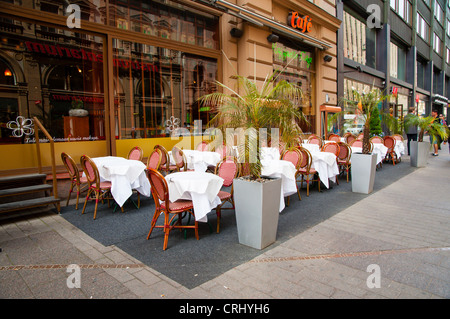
(411, 134)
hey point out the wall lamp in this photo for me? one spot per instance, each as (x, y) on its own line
(273, 38)
(327, 58)
(236, 33)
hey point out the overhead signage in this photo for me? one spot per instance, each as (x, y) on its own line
(302, 24)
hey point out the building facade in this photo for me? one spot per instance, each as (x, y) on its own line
(136, 68)
(400, 47)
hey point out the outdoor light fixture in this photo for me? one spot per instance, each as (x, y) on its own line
(327, 58)
(236, 33)
(7, 72)
(273, 38)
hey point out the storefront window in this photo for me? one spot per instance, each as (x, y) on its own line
(47, 73)
(157, 89)
(295, 65)
(167, 20)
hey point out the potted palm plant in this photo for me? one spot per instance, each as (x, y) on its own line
(362, 105)
(420, 148)
(251, 112)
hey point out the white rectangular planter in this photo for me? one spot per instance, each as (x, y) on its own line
(257, 208)
(419, 153)
(363, 172)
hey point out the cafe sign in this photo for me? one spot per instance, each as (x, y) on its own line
(302, 24)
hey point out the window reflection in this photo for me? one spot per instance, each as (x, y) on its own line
(359, 41)
(152, 84)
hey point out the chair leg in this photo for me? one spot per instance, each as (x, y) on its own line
(153, 223)
(166, 230)
(70, 193)
(219, 216)
(87, 198)
(307, 186)
(96, 204)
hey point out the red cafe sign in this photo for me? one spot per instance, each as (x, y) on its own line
(303, 24)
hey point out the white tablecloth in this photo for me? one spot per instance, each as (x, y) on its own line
(378, 149)
(326, 166)
(269, 153)
(312, 148)
(198, 160)
(399, 148)
(200, 187)
(124, 175)
(284, 170)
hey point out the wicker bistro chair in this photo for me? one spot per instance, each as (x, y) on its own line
(76, 179)
(376, 139)
(360, 136)
(136, 154)
(154, 160)
(314, 139)
(344, 158)
(356, 143)
(332, 147)
(228, 168)
(398, 137)
(294, 156)
(101, 190)
(389, 142)
(180, 159)
(160, 192)
(305, 169)
(334, 137)
(202, 146)
(165, 165)
(349, 138)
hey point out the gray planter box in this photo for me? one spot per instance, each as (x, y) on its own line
(419, 153)
(257, 207)
(363, 172)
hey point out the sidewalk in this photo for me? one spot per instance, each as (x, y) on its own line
(400, 233)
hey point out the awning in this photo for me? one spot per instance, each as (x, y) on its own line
(261, 20)
(439, 99)
(330, 109)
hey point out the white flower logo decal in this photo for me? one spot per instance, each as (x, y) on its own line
(21, 126)
(172, 123)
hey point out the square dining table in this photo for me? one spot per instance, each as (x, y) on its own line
(124, 175)
(200, 187)
(324, 163)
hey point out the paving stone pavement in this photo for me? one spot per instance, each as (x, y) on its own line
(393, 244)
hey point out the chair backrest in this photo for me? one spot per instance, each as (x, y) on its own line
(360, 136)
(356, 143)
(159, 188)
(179, 158)
(334, 138)
(376, 139)
(294, 156)
(349, 138)
(165, 156)
(345, 152)
(306, 158)
(223, 150)
(389, 142)
(71, 166)
(228, 168)
(90, 170)
(398, 137)
(202, 146)
(154, 160)
(136, 154)
(331, 147)
(314, 139)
